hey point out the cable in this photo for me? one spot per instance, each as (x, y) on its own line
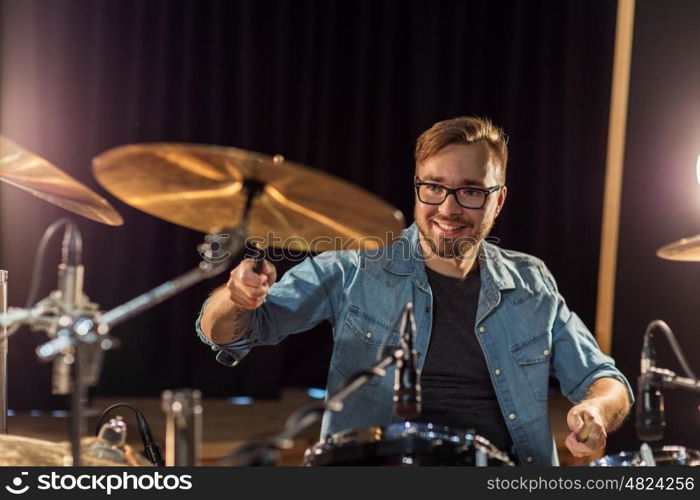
(657, 323)
(37, 268)
(150, 447)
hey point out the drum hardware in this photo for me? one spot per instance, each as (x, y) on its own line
(650, 422)
(37, 176)
(183, 427)
(406, 396)
(79, 332)
(647, 455)
(650, 418)
(22, 451)
(3, 354)
(287, 205)
(150, 448)
(110, 442)
(225, 186)
(266, 452)
(407, 389)
(651, 457)
(206, 187)
(685, 249)
(402, 443)
(405, 444)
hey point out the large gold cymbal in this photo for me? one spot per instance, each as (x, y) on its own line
(685, 249)
(201, 187)
(37, 176)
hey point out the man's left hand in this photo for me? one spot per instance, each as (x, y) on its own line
(588, 433)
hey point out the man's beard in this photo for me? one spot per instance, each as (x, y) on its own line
(450, 248)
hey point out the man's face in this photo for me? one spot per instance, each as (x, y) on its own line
(450, 230)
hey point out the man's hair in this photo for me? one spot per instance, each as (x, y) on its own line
(464, 130)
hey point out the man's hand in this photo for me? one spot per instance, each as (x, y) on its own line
(588, 434)
(227, 314)
(248, 289)
(606, 405)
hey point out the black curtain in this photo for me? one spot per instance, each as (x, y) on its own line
(343, 86)
(661, 204)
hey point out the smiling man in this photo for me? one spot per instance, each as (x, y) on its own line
(491, 325)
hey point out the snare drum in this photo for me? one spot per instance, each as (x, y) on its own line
(405, 444)
(665, 456)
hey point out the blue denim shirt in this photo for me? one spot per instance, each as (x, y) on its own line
(523, 325)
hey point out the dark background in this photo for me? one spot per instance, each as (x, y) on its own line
(346, 87)
(660, 204)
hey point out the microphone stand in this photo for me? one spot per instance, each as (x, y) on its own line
(3, 354)
(654, 378)
(86, 333)
(407, 389)
(79, 334)
(265, 453)
(666, 378)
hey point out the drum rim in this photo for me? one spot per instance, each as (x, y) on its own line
(402, 430)
(632, 458)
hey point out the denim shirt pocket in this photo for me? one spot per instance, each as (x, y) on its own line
(359, 339)
(533, 356)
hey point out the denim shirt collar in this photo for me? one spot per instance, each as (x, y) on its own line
(405, 258)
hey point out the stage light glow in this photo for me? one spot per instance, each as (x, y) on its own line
(241, 400)
(316, 393)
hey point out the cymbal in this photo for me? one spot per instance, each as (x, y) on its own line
(37, 176)
(23, 451)
(201, 187)
(685, 249)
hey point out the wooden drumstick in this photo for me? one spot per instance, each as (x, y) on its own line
(586, 429)
(258, 259)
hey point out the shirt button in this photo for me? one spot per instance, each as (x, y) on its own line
(529, 460)
(214, 348)
(482, 329)
(368, 335)
(546, 352)
(428, 309)
(511, 416)
(497, 372)
(493, 297)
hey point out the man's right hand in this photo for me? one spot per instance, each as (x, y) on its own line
(248, 289)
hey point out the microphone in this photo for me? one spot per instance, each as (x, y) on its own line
(110, 441)
(650, 410)
(150, 447)
(407, 390)
(70, 289)
(650, 421)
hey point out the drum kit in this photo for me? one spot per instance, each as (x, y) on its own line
(235, 197)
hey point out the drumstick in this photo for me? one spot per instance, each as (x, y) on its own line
(586, 429)
(258, 257)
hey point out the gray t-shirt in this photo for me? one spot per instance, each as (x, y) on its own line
(457, 390)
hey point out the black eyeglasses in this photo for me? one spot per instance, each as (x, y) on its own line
(467, 197)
